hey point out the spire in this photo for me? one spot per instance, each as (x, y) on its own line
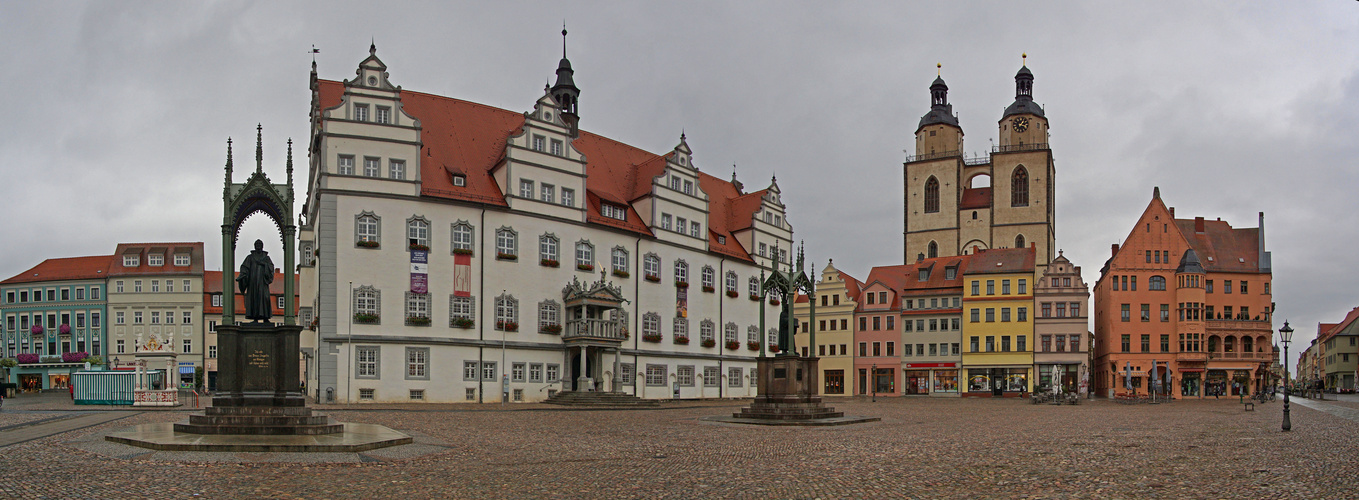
(1156, 192)
(740, 188)
(290, 162)
(372, 47)
(940, 110)
(228, 164)
(565, 91)
(1024, 93)
(259, 148)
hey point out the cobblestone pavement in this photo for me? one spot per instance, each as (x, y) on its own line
(922, 448)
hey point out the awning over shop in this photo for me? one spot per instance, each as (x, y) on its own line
(186, 369)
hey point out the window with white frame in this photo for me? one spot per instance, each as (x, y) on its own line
(627, 371)
(488, 371)
(131, 260)
(366, 359)
(753, 334)
(556, 147)
(568, 197)
(585, 255)
(549, 316)
(665, 222)
(651, 265)
(396, 169)
(216, 300)
(613, 211)
(729, 333)
(651, 324)
(548, 193)
(384, 114)
(155, 259)
(754, 286)
(417, 363)
(506, 242)
(547, 247)
(169, 317)
(655, 375)
(620, 260)
(535, 373)
(367, 229)
(712, 376)
(526, 188)
(417, 308)
(372, 167)
(462, 236)
(366, 304)
(675, 183)
(417, 233)
(94, 293)
(506, 313)
(689, 187)
(731, 281)
(694, 229)
(212, 351)
(539, 143)
(707, 276)
(119, 318)
(681, 224)
(681, 327)
(346, 165)
(187, 318)
(279, 301)
(460, 308)
(469, 370)
(734, 377)
(681, 272)
(553, 372)
(155, 285)
(361, 112)
(705, 330)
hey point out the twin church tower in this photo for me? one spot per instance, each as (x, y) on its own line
(955, 205)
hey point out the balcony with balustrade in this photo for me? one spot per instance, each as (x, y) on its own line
(594, 329)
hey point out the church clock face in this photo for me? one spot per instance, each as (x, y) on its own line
(1020, 124)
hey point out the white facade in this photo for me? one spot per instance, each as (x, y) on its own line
(377, 341)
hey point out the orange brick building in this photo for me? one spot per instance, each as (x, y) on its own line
(1184, 305)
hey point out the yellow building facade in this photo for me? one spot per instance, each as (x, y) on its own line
(837, 294)
(998, 323)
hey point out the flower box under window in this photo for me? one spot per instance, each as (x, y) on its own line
(733, 345)
(365, 318)
(773, 301)
(652, 337)
(462, 251)
(681, 284)
(506, 256)
(621, 273)
(653, 278)
(369, 244)
(773, 348)
(417, 321)
(708, 289)
(549, 263)
(755, 298)
(509, 326)
(585, 267)
(462, 323)
(26, 358)
(419, 247)
(552, 329)
(681, 340)
(754, 346)
(733, 294)
(709, 343)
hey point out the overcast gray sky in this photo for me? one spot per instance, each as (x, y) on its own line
(120, 111)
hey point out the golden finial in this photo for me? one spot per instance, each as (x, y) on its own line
(1025, 59)
(940, 67)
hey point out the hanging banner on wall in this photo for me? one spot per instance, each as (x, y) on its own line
(682, 302)
(419, 271)
(462, 275)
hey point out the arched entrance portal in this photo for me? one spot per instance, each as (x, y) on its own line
(239, 202)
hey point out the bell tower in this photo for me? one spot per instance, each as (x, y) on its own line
(565, 91)
(932, 179)
(1023, 176)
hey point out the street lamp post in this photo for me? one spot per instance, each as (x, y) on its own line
(873, 381)
(1286, 335)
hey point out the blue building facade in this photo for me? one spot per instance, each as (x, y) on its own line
(58, 307)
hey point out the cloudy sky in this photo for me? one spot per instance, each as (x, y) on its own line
(120, 111)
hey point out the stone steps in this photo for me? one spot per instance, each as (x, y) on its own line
(260, 430)
(599, 399)
(273, 420)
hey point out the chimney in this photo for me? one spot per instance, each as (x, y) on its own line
(975, 249)
(1263, 258)
(1198, 224)
(919, 257)
(1172, 212)
(1114, 250)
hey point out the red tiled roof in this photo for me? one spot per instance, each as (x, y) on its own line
(470, 138)
(169, 250)
(1010, 260)
(1342, 325)
(975, 198)
(937, 280)
(1232, 250)
(69, 268)
(852, 286)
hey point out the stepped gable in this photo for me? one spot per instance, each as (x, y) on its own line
(1231, 249)
(467, 138)
(68, 268)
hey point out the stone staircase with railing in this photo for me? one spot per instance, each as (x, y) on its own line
(600, 400)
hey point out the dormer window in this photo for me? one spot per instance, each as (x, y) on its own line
(130, 261)
(155, 260)
(721, 240)
(613, 211)
(182, 259)
(361, 112)
(460, 180)
(924, 275)
(950, 273)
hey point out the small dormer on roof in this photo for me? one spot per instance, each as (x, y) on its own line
(372, 73)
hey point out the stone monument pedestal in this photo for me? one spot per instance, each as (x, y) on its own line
(788, 396)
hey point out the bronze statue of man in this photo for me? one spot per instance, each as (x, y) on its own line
(787, 329)
(257, 272)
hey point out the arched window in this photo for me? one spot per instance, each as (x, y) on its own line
(547, 249)
(417, 233)
(1156, 283)
(620, 261)
(1247, 344)
(729, 333)
(705, 330)
(651, 267)
(933, 251)
(1229, 344)
(681, 272)
(506, 243)
(754, 286)
(1019, 241)
(585, 255)
(1019, 187)
(931, 195)
(731, 281)
(707, 278)
(367, 230)
(462, 237)
(507, 313)
(681, 327)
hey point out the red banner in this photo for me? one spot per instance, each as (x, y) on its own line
(462, 275)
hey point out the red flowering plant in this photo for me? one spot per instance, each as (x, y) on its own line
(509, 326)
(708, 289)
(550, 263)
(585, 267)
(26, 358)
(681, 340)
(754, 346)
(709, 342)
(652, 337)
(733, 294)
(733, 345)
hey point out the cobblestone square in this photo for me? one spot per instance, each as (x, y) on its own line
(922, 448)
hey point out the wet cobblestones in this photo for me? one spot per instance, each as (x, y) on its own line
(922, 448)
